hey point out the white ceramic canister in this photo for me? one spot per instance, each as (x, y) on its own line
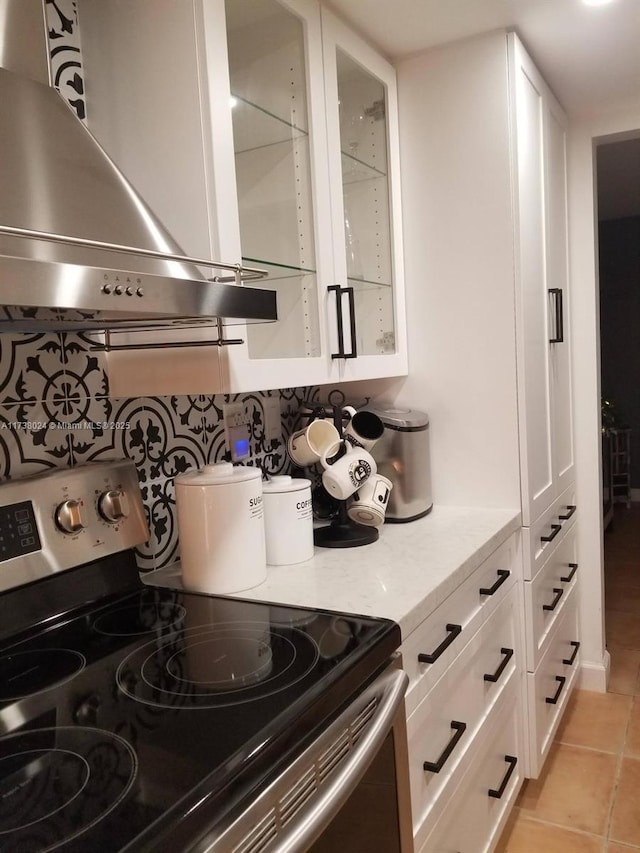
(221, 528)
(288, 520)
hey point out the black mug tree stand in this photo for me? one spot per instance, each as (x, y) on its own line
(342, 532)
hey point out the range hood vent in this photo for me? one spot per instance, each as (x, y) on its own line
(80, 249)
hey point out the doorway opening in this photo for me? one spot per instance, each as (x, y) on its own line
(618, 191)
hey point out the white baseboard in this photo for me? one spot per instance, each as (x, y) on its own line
(594, 675)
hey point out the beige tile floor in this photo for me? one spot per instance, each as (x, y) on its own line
(587, 799)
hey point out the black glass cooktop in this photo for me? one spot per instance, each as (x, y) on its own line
(134, 722)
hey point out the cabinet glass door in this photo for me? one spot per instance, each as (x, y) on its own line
(362, 110)
(271, 130)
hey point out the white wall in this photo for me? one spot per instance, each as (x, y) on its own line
(456, 207)
(584, 133)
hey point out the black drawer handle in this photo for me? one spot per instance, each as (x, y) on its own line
(555, 529)
(569, 577)
(570, 661)
(508, 654)
(436, 766)
(503, 574)
(558, 595)
(453, 630)
(552, 700)
(498, 792)
(571, 509)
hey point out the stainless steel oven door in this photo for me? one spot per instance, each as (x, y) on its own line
(348, 790)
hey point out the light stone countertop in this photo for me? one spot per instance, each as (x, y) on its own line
(403, 576)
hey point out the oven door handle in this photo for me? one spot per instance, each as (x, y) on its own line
(309, 824)
(299, 804)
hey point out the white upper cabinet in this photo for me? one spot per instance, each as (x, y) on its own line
(544, 378)
(364, 165)
(316, 142)
(226, 116)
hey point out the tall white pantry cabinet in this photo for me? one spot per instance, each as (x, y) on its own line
(483, 151)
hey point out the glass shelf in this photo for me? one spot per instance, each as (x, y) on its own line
(354, 170)
(276, 271)
(362, 284)
(255, 127)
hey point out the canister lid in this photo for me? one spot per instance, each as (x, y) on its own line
(280, 483)
(401, 417)
(221, 473)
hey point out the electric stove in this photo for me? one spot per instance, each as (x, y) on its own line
(135, 717)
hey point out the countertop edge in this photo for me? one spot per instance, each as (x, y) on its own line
(410, 571)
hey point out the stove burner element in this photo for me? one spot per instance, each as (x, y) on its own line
(214, 667)
(146, 615)
(225, 665)
(24, 673)
(56, 783)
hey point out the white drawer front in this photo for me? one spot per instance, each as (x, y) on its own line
(547, 531)
(548, 688)
(474, 817)
(441, 730)
(445, 632)
(546, 595)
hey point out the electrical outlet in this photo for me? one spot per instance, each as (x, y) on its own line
(272, 419)
(236, 431)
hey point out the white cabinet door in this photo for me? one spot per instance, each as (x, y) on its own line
(316, 163)
(366, 306)
(280, 163)
(558, 284)
(543, 357)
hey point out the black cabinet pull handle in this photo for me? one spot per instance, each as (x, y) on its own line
(558, 338)
(555, 529)
(570, 661)
(508, 654)
(498, 792)
(571, 509)
(342, 353)
(503, 574)
(558, 595)
(569, 577)
(436, 766)
(551, 700)
(453, 631)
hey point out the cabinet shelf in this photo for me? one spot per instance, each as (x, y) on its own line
(355, 171)
(278, 271)
(281, 271)
(364, 284)
(255, 127)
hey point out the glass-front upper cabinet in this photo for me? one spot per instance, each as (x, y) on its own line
(313, 112)
(364, 162)
(277, 98)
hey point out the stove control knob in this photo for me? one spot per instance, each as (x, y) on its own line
(113, 505)
(86, 712)
(69, 516)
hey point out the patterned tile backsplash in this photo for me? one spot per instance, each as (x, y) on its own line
(55, 411)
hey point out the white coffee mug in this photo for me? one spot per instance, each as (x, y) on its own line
(369, 504)
(364, 428)
(306, 446)
(348, 473)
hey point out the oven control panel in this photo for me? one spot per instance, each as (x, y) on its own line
(18, 530)
(66, 517)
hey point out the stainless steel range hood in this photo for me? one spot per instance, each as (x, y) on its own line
(79, 248)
